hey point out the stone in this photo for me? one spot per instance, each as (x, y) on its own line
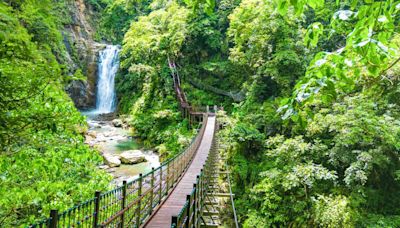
(80, 93)
(104, 167)
(100, 138)
(98, 148)
(111, 170)
(110, 134)
(117, 123)
(112, 161)
(105, 117)
(132, 157)
(92, 134)
(94, 125)
(78, 39)
(128, 120)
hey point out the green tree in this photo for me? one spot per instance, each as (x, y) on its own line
(44, 163)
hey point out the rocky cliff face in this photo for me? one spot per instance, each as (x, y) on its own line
(82, 54)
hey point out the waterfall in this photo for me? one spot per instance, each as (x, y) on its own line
(108, 67)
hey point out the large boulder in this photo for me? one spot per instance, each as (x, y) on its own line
(92, 134)
(117, 123)
(132, 157)
(93, 125)
(111, 161)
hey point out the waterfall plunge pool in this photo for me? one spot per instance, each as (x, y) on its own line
(103, 134)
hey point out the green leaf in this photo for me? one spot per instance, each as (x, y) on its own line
(283, 7)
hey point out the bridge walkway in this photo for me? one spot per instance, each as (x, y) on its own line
(176, 200)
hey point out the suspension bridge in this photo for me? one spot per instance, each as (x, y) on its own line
(191, 189)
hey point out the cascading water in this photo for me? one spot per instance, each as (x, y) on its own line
(102, 133)
(108, 67)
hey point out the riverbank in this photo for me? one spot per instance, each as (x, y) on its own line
(124, 157)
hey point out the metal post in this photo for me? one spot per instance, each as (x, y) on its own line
(123, 202)
(181, 162)
(96, 208)
(201, 186)
(168, 174)
(152, 190)
(161, 180)
(173, 172)
(54, 219)
(174, 221)
(188, 211)
(139, 200)
(195, 202)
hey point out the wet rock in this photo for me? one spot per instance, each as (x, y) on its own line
(111, 170)
(92, 134)
(94, 125)
(80, 93)
(112, 161)
(91, 144)
(98, 148)
(132, 157)
(128, 120)
(117, 123)
(100, 139)
(110, 134)
(105, 117)
(88, 138)
(81, 53)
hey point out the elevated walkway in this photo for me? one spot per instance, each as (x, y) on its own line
(177, 199)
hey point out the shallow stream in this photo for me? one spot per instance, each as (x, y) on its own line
(115, 140)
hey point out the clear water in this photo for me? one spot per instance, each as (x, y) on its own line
(128, 145)
(108, 67)
(115, 140)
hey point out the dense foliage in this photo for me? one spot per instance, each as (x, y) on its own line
(315, 141)
(310, 89)
(333, 158)
(146, 85)
(43, 161)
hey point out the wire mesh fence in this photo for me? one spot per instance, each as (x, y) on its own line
(131, 204)
(196, 208)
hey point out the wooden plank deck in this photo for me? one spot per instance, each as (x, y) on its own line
(176, 200)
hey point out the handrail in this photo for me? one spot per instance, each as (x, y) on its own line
(233, 202)
(132, 203)
(191, 214)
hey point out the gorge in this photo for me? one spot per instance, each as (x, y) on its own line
(309, 88)
(124, 157)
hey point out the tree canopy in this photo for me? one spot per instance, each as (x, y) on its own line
(314, 142)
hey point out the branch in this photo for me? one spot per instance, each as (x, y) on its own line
(391, 66)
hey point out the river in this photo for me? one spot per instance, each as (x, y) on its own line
(112, 137)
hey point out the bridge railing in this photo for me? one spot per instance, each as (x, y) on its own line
(131, 204)
(192, 213)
